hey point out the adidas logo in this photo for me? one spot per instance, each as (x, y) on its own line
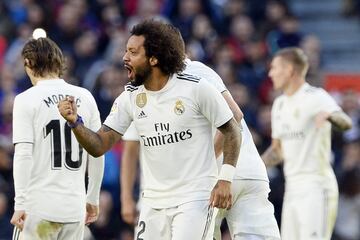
(142, 115)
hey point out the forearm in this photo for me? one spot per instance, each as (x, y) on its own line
(22, 171)
(218, 143)
(95, 176)
(127, 181)
(271, 157)
(232, 142)
(95, 143)
(129, 164)
(340, 121)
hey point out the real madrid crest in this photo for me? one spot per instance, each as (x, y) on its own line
(141, 100)
(179, 107)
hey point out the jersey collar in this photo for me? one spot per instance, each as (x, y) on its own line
(50, 81)
(167, 86)
(301, 89)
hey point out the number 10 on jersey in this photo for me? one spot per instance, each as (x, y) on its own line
(53, 130)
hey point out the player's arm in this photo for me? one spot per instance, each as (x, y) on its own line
(238, 115)
(95, 176)
(95, 143)
(340, 120)
(129, 163)
(232, 141)
(221, 196)
(327, 109)
(23, 162)
(273, 155)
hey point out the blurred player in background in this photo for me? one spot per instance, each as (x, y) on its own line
(174, 115)
(301, 137)
(252, 214)
(49, 163)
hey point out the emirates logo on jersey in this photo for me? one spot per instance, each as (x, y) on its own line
(179, 107)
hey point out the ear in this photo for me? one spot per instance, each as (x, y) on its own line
(153, 61)
(26, 62)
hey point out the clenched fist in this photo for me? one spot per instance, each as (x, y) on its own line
(68, 109)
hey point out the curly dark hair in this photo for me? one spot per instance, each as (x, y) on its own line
(164, 42)
(44, 57)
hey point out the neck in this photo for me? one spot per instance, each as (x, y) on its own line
(294, 85)
(156, 81)
(35, 80)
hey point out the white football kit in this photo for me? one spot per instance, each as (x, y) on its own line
(179, 167)
(311, 193)
(50, 180)
(251, 212)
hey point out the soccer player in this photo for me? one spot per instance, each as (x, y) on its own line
(174, 115)
(252, 215)
(301, 137)
(49, 164)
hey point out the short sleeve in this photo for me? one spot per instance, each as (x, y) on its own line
(131, 133)
(212, 104)
(324, 102)
(23, 130)
(120, 116)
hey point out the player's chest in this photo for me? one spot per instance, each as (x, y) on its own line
(293, 115)
(156, 113)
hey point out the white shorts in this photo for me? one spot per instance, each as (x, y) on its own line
(37, 228)
(309, 214)
(186, 221)
(252, 214)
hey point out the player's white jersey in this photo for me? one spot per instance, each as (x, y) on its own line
(175, 128)
(56, 190)
(306, 149)
(249, 164)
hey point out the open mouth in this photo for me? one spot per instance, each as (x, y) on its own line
(130, 71)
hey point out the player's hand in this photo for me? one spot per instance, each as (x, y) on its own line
(92, 213)
(67, 108)
(128, 211)
(221, 196)
(321, 118)
(18, 219)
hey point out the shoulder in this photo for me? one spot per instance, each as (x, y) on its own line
(27, 95)
(82, 92)
(188, 77)
(316, 92)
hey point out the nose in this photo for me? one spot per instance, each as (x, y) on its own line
(126, 57)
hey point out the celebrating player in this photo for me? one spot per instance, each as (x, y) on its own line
(174, 115)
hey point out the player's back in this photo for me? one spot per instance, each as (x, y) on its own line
(56, 186)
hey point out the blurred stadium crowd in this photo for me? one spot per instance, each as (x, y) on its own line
(235, 37)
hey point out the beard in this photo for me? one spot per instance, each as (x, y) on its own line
(141, 75)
